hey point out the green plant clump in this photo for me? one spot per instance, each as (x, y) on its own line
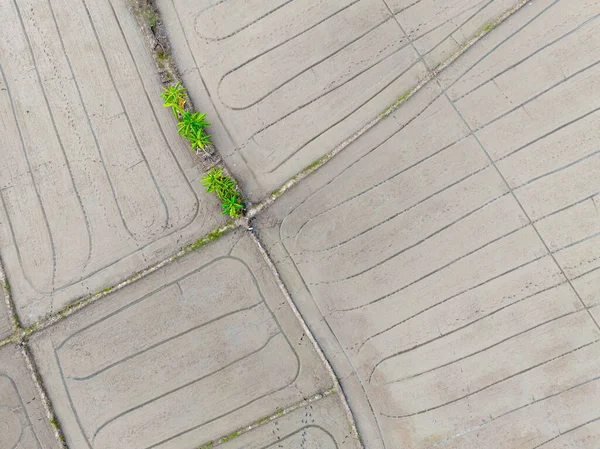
(54, 422)
(152, 20)
(231, 436)
(191, 125)
(225, 188)
(174, 97)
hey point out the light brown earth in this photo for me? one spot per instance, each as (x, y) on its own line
(95, 183)
(23, 424)
(289, 80)
(446, 260)
(452, 249)
(197, 349)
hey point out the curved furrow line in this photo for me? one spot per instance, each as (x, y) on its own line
(37, 192)
(353, 164)
(252, 138)
(445, 300)
(493, 384)
(181, 387)
(404, 287)
(312, 66)
(60, 142)
(285, 41)
(25, 412)
(503, 41)
(526, 58)
(133, 133)
(315, 137)
(473, 353)
(387, 259)
(227, 36)
(163, 342)
(89, 122)
(320, 214)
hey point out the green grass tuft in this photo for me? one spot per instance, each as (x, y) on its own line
(229, 437)
(55, 423)
(486, 29)
(306, 170)
(211, 237)
(401, 99)
(314, 164)
(152, 18)
(263, 420)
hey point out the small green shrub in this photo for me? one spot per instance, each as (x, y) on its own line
(216, 181)
(199, 139)
(174, 97)
(225, 188)
(232, 206)
(190, 123)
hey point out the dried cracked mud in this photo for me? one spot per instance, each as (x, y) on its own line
(444, 264)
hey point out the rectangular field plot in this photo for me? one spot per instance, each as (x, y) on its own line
(95, 183)
(194, 351)
(290, 80)
(23, 421)
(462, 295)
